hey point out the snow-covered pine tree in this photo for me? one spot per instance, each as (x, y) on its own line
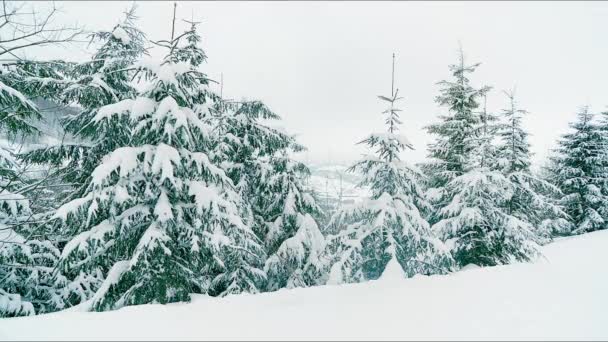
(42, 82)
(476, 225)
(603, 127)
(470, 194)
(27, 257)
(486, 151)
(17, 110)
(27, 285)
(533, 197)
(160, 218)
(455, 133)
(294, 243)
(515, 148)
(14, 216)
(581, 174)
(243, 145)
(103, 80)
(386, 235)
(274, 199)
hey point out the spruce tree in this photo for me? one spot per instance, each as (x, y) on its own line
(294, 243)
(273, 198)
(27, 254)
(603, 126)
(160, 217)
(386, 234)
(470, 194)
(103, 80)
(243, 145)
(42, 82)
(532, 200)
(455, 134)
(28, 283)
(486, 153)
(581, 174)
(17, 111)
(27, 257)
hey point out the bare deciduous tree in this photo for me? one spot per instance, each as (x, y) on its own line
(21, 28)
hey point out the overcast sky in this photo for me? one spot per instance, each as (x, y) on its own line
(320, 65)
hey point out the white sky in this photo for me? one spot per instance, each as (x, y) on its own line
(320, 65)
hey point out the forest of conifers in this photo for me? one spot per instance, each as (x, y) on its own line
(160, 188)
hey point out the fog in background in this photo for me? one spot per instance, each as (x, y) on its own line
(321, 65)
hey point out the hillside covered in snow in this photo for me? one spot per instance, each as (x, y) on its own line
(560, 296)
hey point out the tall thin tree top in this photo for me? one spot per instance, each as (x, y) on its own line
(393, 78)
(173, 24)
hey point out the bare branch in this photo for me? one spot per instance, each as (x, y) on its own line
(37, 30)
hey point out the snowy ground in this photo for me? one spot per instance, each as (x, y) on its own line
(564, 296)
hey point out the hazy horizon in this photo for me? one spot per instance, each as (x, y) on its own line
(321, 65)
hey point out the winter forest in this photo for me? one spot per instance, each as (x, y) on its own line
(161, 189)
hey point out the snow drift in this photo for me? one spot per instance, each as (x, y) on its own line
(562, 296)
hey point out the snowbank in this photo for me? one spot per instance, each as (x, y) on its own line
(561, 297)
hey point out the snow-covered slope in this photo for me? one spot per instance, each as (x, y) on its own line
(563, 296)
(330, 181)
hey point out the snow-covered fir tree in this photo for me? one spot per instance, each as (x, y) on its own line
(18, 272)
(88, 86)
(17, 111)
(603, 126)
(274, 199)
(470, 194)
(102, 80)
(455, 134)
(160, 217)
(243, 145)
(294, 242)
(533, 197)
(580, 173)
(386, 234)
(42, 82)
(28, 283)
(476, 224)
(486, 152)
(27, 258)
(515, 148)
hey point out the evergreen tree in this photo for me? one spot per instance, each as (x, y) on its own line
(27, 284)
(515, 148)
(103, 80)
(581, 174)
(160, 218)
(17, 111)
(294, 242)
(555, 225)
(43, 83)
(386, 234)
(273, 197)
(456, 133)
(14, 214)
(486, 153)
(532, 200)
(470, 194)
(243, 145)
(603, 127)
(476, 224)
